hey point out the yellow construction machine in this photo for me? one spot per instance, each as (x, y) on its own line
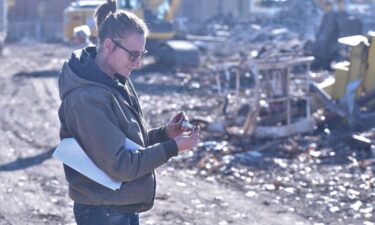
(165, 42)
(338, 28)
(359, 67)
(80, 13)
(350, 92)
(351, 89)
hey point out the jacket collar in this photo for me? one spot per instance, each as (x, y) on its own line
(83, 65)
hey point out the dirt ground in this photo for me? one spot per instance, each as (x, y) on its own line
(33, 189)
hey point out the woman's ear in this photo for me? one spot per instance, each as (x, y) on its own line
(107, 46)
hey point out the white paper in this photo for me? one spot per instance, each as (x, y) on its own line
(71, 154)
(131, 145)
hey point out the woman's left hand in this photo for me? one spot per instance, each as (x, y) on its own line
(173, 127)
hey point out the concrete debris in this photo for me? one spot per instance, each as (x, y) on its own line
(307, 150)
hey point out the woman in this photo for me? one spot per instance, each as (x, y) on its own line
(100, 109)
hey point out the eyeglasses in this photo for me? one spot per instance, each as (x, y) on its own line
(134, 55)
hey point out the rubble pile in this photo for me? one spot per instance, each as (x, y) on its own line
(320, 176)
(301, 17)
(295, 21)
(326, 175)
(250, 39)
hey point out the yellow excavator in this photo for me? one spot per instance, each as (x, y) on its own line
(165, 42)
(352, 86)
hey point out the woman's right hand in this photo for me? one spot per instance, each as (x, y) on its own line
(186, 141)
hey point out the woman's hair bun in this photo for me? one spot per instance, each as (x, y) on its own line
(112, 6)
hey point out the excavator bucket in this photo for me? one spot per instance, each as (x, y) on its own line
(178, 54)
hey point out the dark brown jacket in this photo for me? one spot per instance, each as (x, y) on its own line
(99, 118)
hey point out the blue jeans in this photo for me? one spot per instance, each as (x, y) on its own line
(102, 215)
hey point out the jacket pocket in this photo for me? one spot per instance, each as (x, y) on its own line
(139, 191)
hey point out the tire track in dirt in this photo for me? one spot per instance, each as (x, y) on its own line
(28, 132)
(22, 116)
(26, 100)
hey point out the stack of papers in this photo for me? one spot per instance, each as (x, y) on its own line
(71, 154)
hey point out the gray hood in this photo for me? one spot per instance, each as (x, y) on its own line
(69, 81)
(81, 70)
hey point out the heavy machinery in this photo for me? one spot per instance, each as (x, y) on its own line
(360, 67)
(165, 42)
(3, 23)
(80, 13)
(350, 92)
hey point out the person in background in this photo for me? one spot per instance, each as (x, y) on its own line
(81, 37)
(100, 109)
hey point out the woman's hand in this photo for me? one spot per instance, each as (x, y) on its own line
(187, 140)
(173, 127)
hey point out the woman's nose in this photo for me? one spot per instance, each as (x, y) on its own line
(137, 63)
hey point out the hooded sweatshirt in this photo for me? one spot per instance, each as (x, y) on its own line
(100, 113)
